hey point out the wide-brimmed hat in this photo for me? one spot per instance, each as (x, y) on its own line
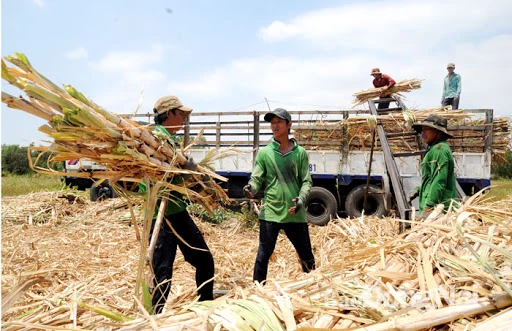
(433, 121)
(279, 112)
(376, 71)
(170, 102)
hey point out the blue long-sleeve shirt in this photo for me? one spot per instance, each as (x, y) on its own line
(452, 87)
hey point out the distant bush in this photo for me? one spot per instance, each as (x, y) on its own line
(503, 169)
(15, 160)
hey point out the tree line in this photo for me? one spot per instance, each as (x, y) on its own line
(15, 161)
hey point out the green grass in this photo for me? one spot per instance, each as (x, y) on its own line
(500, 188)
(13, 185)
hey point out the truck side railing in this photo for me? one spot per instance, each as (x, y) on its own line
(248, 130)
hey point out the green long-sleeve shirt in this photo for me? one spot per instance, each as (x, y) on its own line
(286, 177)
(438, 183)
(175, 203)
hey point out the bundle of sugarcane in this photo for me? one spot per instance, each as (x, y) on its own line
(403, 86)
(81, 129)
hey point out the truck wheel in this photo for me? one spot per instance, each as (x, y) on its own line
(321, 205)
(102, 191)
(374, 202)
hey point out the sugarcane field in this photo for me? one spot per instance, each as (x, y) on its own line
(179, 166)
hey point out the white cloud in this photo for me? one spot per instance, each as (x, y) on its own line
(77, 54)
(278, 31)
(392, 26)
(39, 3)
(149, 76)
(137, 72)
(122, 61)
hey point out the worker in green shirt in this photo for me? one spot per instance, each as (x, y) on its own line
(438, 183)
(177, 229)
(283, 166)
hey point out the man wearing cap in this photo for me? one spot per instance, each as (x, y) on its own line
(451, 88)
(283, 166)
(381, 80)
(438, 183)
(178, 228)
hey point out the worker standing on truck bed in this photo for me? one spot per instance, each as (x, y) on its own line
(283, 166)
(451, 87)
(178, 228)
(438, 183)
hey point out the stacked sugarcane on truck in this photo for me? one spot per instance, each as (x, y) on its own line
(349, 175)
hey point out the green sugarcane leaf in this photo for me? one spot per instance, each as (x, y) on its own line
(107, 313)
(146, 297)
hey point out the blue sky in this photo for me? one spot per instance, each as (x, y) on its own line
(227, 55)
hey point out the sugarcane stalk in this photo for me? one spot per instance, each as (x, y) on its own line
(22, 62)
(80, 97)
(46, 95)
(22, 104)
(441, 316)
(156, 230)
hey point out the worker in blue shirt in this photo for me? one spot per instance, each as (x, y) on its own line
(452, 87)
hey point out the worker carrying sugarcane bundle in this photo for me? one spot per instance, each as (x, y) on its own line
(383, 80)
(176, 229)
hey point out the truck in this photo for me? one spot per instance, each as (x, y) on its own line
(97, 192)
(342, 178)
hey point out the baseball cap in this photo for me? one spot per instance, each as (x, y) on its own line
(169, 102)
(450, 65)
(279, 112)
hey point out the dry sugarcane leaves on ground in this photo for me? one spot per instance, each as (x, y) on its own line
(367, 275)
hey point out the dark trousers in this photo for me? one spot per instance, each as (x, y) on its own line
(165, 253)
(384, 105)
(454, 102)
(297, 233)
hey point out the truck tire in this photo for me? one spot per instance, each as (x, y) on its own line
(375, 205)
(102, 191)
(321, 206)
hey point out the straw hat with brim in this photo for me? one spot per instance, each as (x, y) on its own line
(279, 112)
(433, 121)
(170, 102)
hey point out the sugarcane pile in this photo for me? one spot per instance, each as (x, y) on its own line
(403, 86)
(355, 133)
(452, 270)
(80, 129)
